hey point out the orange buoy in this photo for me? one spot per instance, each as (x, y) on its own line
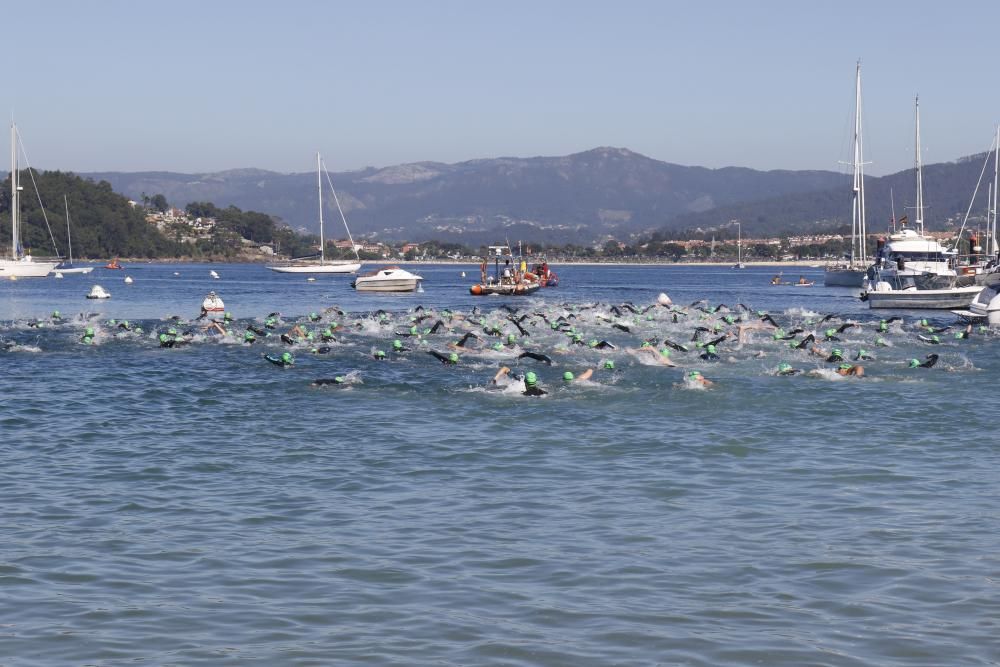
(476, 289)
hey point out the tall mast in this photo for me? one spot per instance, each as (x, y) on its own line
(69, 239)
(858, 227)
(992, 229)
(319, 187)
(920, 173)
(14, 196)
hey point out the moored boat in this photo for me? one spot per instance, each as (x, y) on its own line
(512, 279)
(885, 296)
(212, 306)
(387, 279)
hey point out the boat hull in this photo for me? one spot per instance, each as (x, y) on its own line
(347, 267)
(394, 285)
(519, 289)
(20, 268)
(844, 277)
(946, 299)
(77, 270)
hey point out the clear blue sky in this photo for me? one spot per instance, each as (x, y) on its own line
(193, 86)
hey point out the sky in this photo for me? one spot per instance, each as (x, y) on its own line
(202, 86)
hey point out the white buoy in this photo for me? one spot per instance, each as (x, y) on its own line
(214, 274)
(463, 274)
(663, 299)
(310, 280)
(176, 273)
(59, 274)
(128, 280)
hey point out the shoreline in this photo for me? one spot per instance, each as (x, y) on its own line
(799, 264)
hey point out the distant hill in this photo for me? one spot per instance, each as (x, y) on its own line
(579, 198)
(948, 187)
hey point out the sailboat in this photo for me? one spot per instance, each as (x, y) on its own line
(20, 264)
(67, 267)
(851, 273)
(739, 248)
(322, 266)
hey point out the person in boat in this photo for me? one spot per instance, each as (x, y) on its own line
(931, 359)
(776, 280)
(846, 369)
(803, 281)
(285, 360)
(449, 359)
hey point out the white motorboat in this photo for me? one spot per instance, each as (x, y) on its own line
(322, 265)
(985, 306)
(884, 295)
(909, 253)
(98, 292)
(212, 306)
(387, 279)
(20, 264)
(851, 272)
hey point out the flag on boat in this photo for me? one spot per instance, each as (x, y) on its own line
(902, 220)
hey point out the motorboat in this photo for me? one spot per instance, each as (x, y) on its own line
(387, 279)
(885, 295)
(212, 306)
(114, 265)
(98, 292)
(510, 279)
(546, 276)
(985, 306)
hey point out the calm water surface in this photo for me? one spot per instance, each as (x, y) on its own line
(198, 505)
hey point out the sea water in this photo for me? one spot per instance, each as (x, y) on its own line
(199, 505)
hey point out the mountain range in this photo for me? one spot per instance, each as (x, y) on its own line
(576, 198)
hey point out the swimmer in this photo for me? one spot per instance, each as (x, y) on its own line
(249, 337)
(662, 356)
(601, 345)
(786, 369)
(537, 356)
(285, 360)
(378, 355)
(709, 354)
(931, 359)
(398, 347)
(325, 382)
(804, 343)
(863, 355)
(676, 346)
(464, 340)
(932, 339)
(697, 378)
(568, 376)
(324, 349)
(836, 356)
(846, 369)
(449, 359)
(531, 387)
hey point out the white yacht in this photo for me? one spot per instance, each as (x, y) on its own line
(387, 279)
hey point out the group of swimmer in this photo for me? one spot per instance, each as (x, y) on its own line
(692, 338)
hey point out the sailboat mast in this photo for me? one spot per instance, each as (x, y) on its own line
(14, 195)
(856, 192)
(920, 172)
(860, 153)
(992, 230)
(69, 239)
(319, 188)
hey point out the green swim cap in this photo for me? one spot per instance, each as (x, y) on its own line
(396, 344)
(333, 325)
(935, 338)
(593, 343)
(453, 358)
(249, 335)
(880, 341)
(228, 315)
(340, 379)
(530, 378)
(845, 367)
(498, 346)
(413, 331)
(555, 326)
(313, 316)
(792, 344)
(112, 322)
(914, 363)
(778, 333)
(172, 331)
(609, 365)
(163, 337)
(665, 352)
(89, 331)
(379, 354)
(836, 353)
(959, 334)
(729, 319)
(511, 338)
(784, 368)
(645, 343)
(694, 375)
(55, 313)
(923, 323)
(88, 340)
(286, 357)
(710, 348)
(717, 326)
(830, 332)
(568, 376)
(983, 328)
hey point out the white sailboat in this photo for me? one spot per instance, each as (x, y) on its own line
(20, 264)
(322, 266)
(67, 267)
(851, 273)
(739, 247)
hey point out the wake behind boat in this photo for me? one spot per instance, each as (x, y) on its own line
(310, 266)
